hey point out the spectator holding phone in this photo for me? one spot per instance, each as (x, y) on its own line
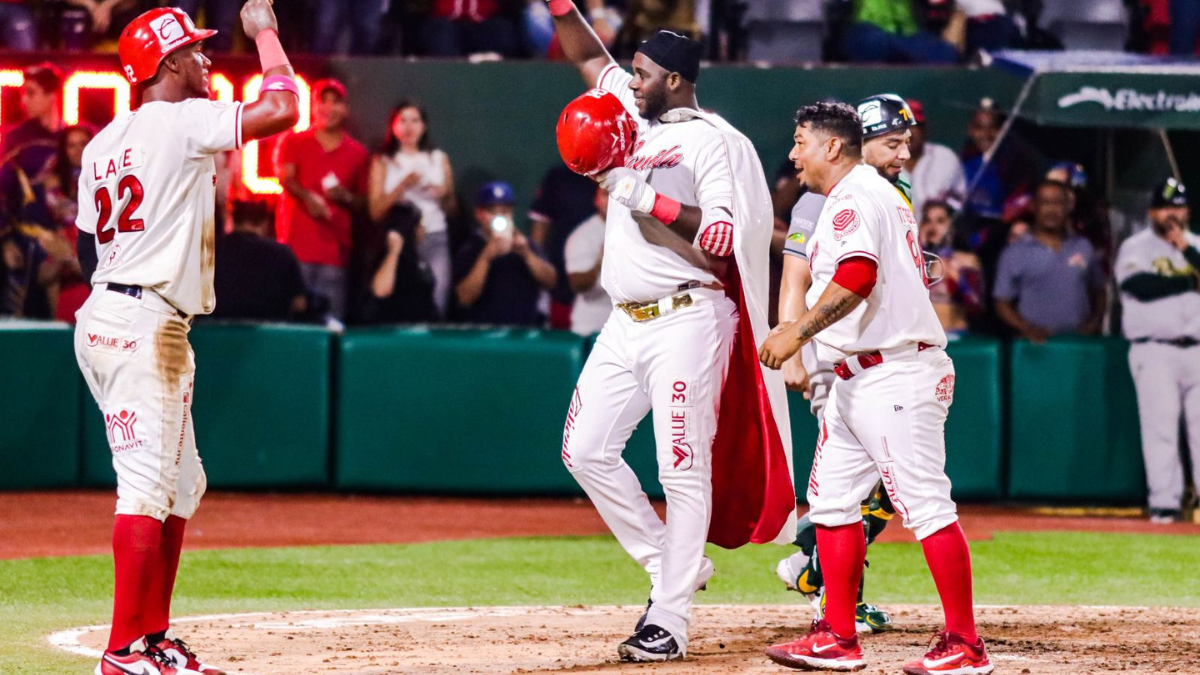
(500, 274)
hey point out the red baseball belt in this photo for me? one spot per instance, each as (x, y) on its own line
(867, 360)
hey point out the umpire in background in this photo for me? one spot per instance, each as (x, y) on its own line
(1158, 271)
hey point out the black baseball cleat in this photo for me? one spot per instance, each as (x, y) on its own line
(651, 643)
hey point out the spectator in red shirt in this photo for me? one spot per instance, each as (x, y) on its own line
(323, 172)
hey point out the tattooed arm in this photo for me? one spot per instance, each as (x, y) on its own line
(787, 338)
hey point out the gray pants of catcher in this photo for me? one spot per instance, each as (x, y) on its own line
(1167, 379)
(329, 281)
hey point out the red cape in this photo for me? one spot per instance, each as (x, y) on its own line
(753, 494)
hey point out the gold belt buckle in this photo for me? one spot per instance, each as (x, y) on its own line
(648, 311)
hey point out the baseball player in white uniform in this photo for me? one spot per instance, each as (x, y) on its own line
(1158, 272)
(147, 193)
(678, 231)
(870, 314)
(886, 120)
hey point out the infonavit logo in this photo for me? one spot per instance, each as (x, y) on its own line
(1133, 100)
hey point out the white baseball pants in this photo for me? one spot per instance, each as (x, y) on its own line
(135, 357)
(887, 422)
(674, 365)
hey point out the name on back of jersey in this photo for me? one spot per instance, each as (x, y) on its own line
(129, 158)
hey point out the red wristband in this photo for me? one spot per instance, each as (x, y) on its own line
(560, 7)
(666, 210)
(856, 275)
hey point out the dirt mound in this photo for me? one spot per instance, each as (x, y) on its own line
(725, 639)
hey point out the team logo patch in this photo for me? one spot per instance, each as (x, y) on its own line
(945, 389)
(112, 344)
(797, 237)
(167, 29)
(870, 113)
(122, 434)
(844, 223)
(681, 403)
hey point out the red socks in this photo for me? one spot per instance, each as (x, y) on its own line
(146, 558)
(158, 614)
(136, 544)
(842, 551)
(949, 562)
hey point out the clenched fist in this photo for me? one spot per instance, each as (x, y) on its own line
(781, 345)
(630, 189)
(258, 16)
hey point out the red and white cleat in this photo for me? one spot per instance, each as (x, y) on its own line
(821, 649)
(150, 662)
(952, 655)
(182, 657)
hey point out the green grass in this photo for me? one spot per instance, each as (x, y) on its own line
(42, 595)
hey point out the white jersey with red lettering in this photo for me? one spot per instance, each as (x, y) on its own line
(684, 158)
(864, 216)
(675, 362)
(148, 191)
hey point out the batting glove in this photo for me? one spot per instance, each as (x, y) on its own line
(632, 191)
(629, 189)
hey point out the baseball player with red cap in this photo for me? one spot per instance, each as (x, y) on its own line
(687, 236)
(147, 193)
(869, 313)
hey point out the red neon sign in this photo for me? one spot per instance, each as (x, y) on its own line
(223, 89)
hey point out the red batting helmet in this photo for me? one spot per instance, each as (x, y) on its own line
(595, 133)
(150, 37)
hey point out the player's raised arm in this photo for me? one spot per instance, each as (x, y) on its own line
(579, 42)
(278, 106)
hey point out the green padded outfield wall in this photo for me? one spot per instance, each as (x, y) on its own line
(466, 411)
(39, 436)
(496, 120)
(262, 408)
(1074, 423)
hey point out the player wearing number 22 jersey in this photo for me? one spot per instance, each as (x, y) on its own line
(146, 198)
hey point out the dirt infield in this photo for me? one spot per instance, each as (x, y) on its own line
(80, 522)
(725, 640)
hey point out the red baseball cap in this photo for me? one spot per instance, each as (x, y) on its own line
(328, 84)
(918, 111)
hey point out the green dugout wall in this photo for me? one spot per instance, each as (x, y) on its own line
(479, 411)
(261, 408)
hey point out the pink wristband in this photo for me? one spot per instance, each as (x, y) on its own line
(666, 210)
(270, 52)
(279, 83)
(560, 7)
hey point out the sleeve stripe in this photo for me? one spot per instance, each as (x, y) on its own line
(607, 70)
(238, 121)
(857, 254)
(718, 239)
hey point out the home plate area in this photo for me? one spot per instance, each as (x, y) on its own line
(725, 639)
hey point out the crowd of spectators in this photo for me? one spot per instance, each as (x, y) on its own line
(1021, 244)
(859, 31)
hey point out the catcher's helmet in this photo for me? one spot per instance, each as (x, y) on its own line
(595, 133)
(884, 113)
(153, 35)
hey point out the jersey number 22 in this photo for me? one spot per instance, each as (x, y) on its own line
(125, 222)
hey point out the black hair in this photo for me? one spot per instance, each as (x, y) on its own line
(247, 212)
(936, 204)
(390, 143)
(836, 119)
(68, 178)
(47, 76)
(1050, 182)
